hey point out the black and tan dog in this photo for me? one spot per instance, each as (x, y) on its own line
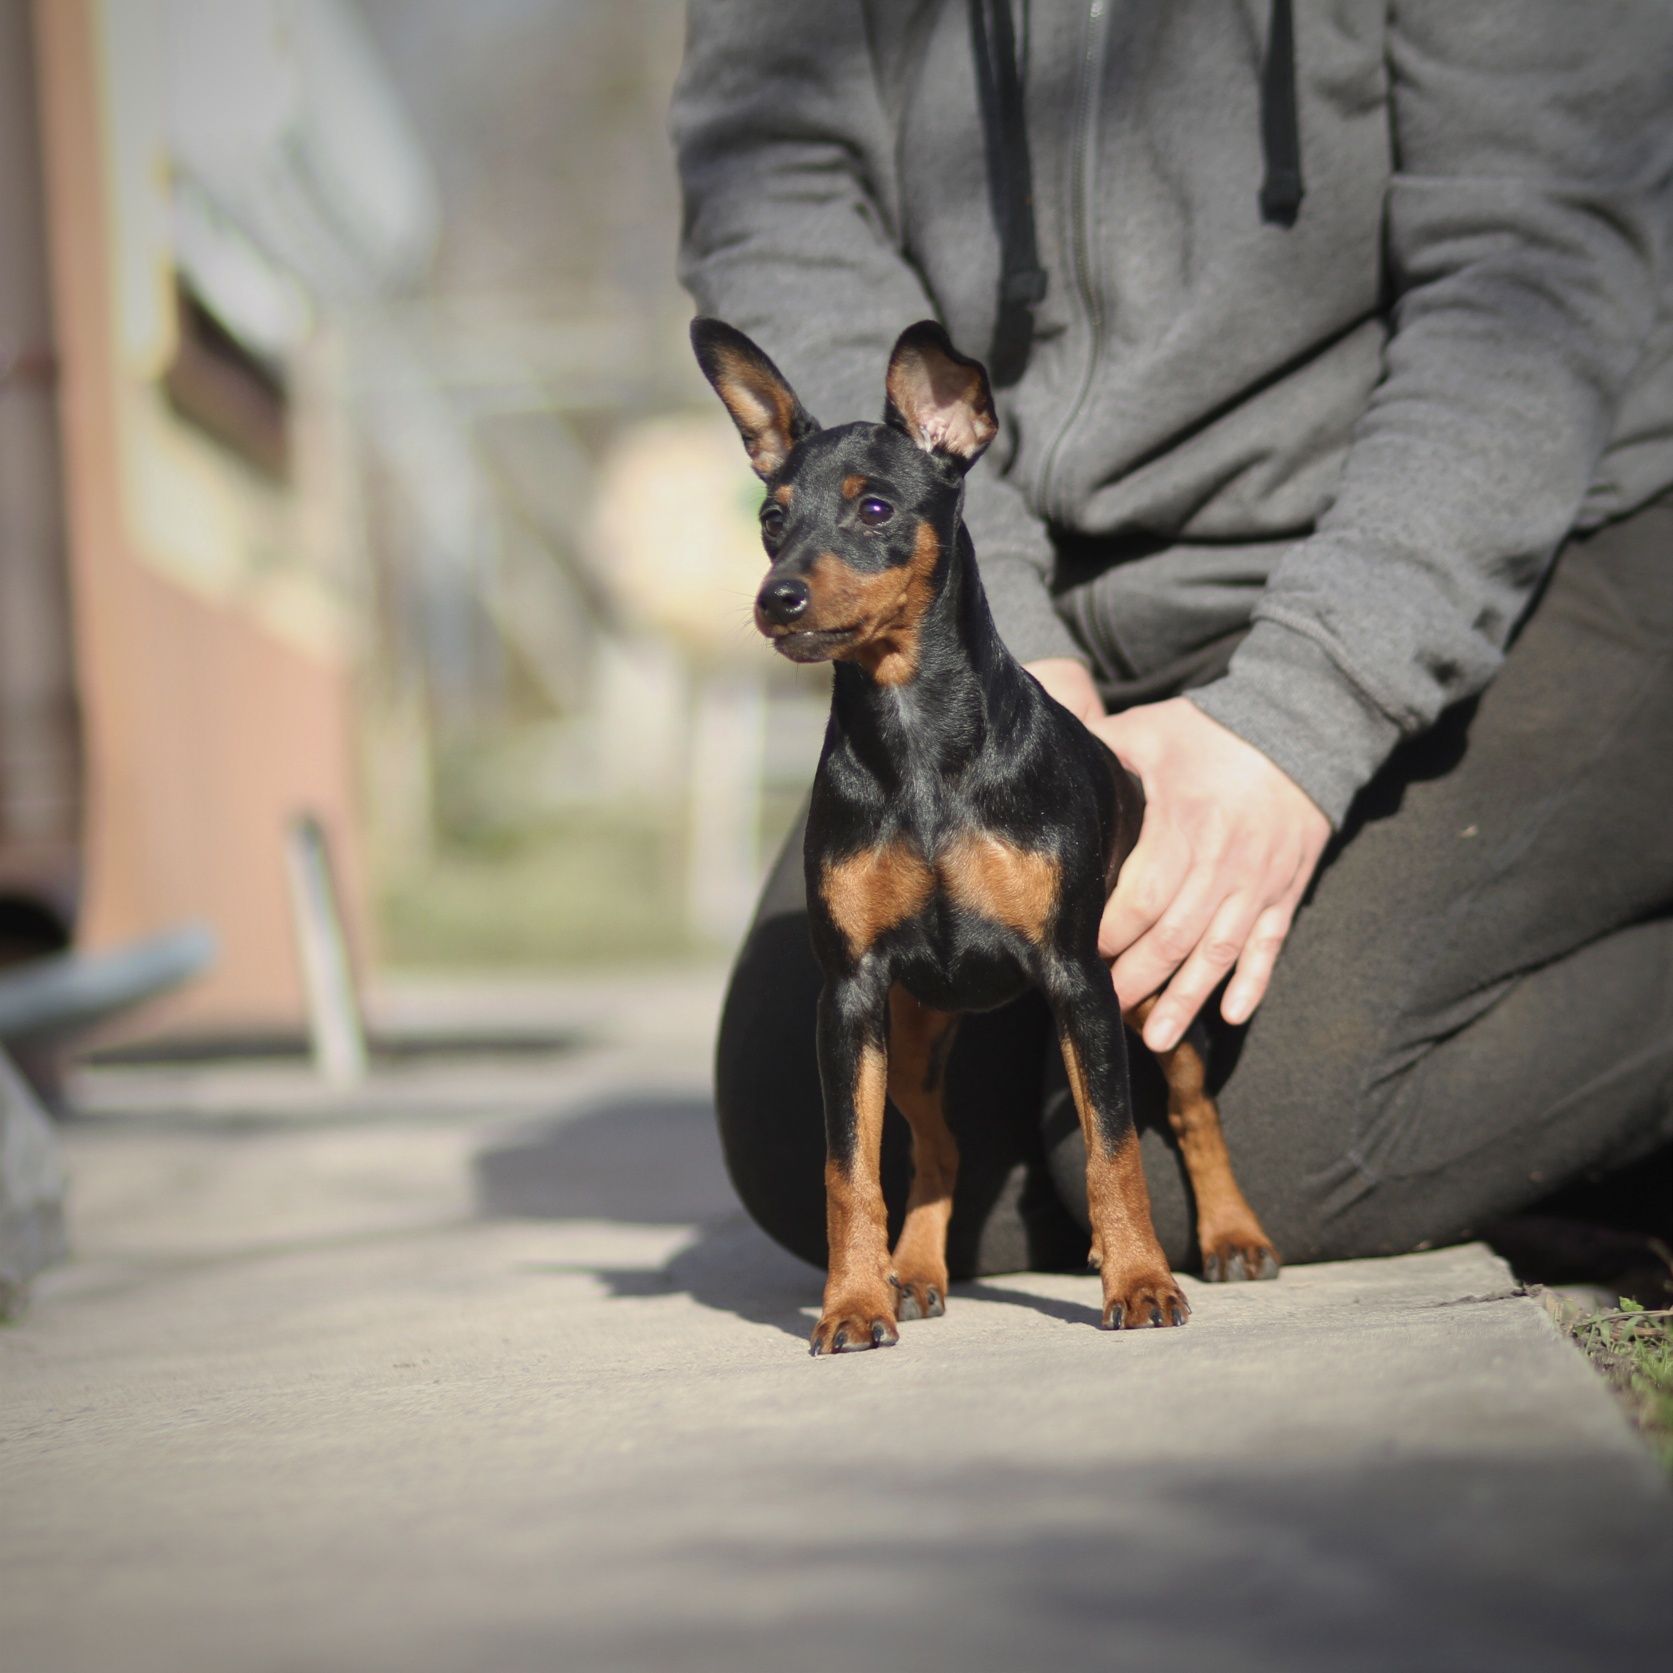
(964, 835)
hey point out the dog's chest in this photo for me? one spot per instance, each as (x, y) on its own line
(966, 886)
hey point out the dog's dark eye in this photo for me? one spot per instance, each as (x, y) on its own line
(874, 513)
(772, 521)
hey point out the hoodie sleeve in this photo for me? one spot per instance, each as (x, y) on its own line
(1526, 234)
(790, 233)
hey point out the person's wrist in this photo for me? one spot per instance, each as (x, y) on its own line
(1289, 698)
(1070, 683)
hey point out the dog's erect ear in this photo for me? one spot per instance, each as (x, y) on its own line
(763, 406)
(938, 397)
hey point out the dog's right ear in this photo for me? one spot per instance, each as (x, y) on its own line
(763, 406)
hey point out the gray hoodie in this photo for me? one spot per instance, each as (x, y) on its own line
(1366, 433)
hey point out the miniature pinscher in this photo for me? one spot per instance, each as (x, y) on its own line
(964, 835)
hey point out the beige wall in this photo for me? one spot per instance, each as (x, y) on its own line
(207, 726)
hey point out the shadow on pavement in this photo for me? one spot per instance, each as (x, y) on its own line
(650, 1161)
(1382, 1566)
(1070, 1312)
(655, 1161)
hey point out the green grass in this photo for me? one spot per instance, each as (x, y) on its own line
(588, 889)
(592, 888)
(1632, 1346)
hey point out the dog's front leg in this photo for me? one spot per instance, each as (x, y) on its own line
(859, 1307)
(1138, 1287)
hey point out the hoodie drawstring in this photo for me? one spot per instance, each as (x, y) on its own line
(1022, 281)
(1281, 190)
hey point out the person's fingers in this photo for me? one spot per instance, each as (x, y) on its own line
(1154, 957)
(1227, 848)
(1150, 881)
(1209, 963)
(1254, 965)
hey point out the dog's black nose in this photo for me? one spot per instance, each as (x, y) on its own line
(783, 600)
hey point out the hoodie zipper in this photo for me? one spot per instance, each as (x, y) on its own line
(1082, 187)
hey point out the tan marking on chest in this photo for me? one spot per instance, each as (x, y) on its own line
(869, 893)
(994, 878)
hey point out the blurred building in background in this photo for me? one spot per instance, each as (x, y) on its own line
(352, 466)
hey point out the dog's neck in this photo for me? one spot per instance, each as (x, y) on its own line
(963, 681)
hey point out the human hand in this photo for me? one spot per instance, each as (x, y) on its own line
(1228, 847)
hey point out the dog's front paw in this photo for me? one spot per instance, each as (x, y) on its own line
(1234, 1257)
(854, 1324)
(1150, 1300)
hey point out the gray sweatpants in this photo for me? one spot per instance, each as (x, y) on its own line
(1474, 1007)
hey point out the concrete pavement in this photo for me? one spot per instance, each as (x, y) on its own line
(483, 1369)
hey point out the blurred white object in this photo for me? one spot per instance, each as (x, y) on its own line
(284, 130)
(675, 541)
(334, 1018)
(674, 537)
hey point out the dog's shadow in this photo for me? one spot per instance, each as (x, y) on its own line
(655, 1160)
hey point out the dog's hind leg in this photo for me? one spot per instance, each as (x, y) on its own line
(919, 1043)
(1229, 1234)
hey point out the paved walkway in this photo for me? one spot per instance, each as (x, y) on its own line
(482, 1370)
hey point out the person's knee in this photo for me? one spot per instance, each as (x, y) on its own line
(767, 1094)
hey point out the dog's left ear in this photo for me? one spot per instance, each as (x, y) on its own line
(762, 404)
(938, 397)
